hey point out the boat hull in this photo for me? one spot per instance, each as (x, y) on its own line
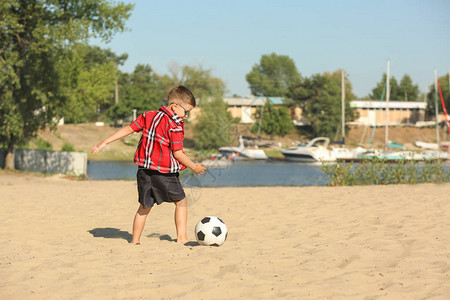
(243, 153)
(298, 157)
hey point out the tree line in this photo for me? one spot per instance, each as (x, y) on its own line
(50, 71)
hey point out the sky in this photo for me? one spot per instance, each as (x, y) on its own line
(229, 37)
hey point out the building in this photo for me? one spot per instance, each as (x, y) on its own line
(400, 112)
(371, 112)
(245, 108)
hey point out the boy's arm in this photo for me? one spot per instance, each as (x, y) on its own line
(123, 132)
(198, 168)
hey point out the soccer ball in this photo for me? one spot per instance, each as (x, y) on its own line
(211, 231)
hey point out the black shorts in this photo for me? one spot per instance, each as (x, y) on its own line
(155, 187)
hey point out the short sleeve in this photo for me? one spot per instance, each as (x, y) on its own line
(138, 124)
(176, 136)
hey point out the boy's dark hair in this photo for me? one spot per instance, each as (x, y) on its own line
(182, 93)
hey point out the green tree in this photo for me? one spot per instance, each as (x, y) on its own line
(140, 90)
(405, 91)
(213, 127)
(34, 36)
(273, 76)
(380, 90)
(409, 90)
(272, 120)
(444, 82)
(88, 75)
(320, 99)
(199, 80)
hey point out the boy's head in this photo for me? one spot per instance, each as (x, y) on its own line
(181, 100)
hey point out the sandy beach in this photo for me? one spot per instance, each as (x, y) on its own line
(68, 239)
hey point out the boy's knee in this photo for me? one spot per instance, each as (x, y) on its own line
(143, 211)
(181, 203)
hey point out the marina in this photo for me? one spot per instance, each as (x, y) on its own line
(239, 173)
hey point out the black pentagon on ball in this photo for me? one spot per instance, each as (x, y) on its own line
(200, 236)
(217, 231)
(205, 220)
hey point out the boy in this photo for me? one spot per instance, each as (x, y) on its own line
(160, 157)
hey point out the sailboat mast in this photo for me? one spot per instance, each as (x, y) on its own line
(343, 103)
(388, 92)
(436, 109)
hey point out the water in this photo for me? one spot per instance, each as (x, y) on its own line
(239, 173)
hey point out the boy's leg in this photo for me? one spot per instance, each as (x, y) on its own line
(139, 222)
(181, 220)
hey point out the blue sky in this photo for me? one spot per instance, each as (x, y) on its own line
(229, 37)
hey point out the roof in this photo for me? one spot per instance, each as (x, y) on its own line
(392, 104)
(253, 101)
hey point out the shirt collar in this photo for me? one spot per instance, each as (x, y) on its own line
(171, 114)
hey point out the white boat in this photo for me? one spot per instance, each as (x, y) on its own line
(219, 164)
(392, 155)
(405, 155)
(243, 152)
(424, 145)
(317, 150)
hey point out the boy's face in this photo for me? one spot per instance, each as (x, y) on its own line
(182, 110)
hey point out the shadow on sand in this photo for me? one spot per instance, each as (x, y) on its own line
(114, 233)
(166, 237)
(111, 233)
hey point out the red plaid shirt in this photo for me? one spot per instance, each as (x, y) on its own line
(163, 133)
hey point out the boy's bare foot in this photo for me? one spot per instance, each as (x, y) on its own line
(182, 241)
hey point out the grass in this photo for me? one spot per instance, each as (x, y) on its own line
(381, 172)
(274, 153)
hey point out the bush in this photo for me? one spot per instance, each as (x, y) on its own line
(42, 144)
(272, 120)
(380, 171)
(68, 147)
(213, 127)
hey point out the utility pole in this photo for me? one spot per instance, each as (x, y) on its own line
(116, 90)
(343, 103)
(116, 93)
(388, 93)
(436, 106)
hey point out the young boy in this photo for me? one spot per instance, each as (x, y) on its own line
(160, 157)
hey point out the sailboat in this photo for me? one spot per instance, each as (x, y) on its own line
(438, 145)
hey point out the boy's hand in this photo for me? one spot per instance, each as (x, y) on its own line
(98, 147)
(121, 133)
(199, 168)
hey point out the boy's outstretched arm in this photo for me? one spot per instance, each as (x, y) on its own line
(198, 168)
(121, 133)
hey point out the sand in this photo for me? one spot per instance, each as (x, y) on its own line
(67, 239)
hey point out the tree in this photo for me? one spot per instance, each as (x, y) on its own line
(140, 90)
(444, 82)
(409, 91)
(213, 126)
(199, 80)
(273, 76)
(379, 92)
(88, 76)
(405, 91)
(272, 120)
(320, 99)
(35, 35)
